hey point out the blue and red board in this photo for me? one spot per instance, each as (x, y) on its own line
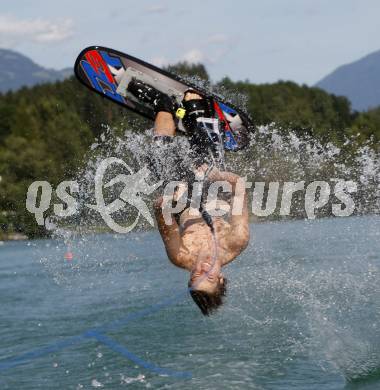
(101, 69)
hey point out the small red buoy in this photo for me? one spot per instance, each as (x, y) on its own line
(69, 256)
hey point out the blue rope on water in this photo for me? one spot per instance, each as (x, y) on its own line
(98, 334)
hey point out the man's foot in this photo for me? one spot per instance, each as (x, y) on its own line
(152, 96)
(191, 95)
(196, 107)
(204, 127)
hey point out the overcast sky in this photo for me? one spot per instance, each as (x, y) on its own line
(259, 40)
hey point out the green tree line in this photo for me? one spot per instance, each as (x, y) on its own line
(46, 131)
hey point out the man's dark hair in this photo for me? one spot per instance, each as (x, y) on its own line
(209, 302)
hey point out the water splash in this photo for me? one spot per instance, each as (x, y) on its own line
(280, 155)
(335, 302)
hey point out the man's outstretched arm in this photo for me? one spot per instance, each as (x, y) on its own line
(239, 227)
(169, 233)
(239, 222)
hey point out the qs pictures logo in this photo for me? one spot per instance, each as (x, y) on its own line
(40, 193)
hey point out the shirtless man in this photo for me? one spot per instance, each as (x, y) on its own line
(189, 241)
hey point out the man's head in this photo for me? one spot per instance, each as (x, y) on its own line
(207, 287)
(207, 301)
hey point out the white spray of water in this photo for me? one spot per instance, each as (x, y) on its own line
(273, 155)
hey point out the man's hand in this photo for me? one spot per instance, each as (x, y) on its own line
(216, 175)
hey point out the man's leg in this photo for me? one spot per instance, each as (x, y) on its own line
(164, 124)
(166, 161)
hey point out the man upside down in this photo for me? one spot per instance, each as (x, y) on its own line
(197, 239)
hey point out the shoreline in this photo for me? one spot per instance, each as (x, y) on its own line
(11, 237)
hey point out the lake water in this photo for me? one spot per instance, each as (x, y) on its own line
(303, 312)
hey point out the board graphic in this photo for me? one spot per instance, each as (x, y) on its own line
(108, 72)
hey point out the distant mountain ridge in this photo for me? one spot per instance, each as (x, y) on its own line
(17, 70)
(359, 81)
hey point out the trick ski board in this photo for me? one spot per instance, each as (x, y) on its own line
(108, 72)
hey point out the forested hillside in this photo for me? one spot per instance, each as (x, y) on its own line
(46, 131)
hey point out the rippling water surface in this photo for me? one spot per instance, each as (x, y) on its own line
(303, 312)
